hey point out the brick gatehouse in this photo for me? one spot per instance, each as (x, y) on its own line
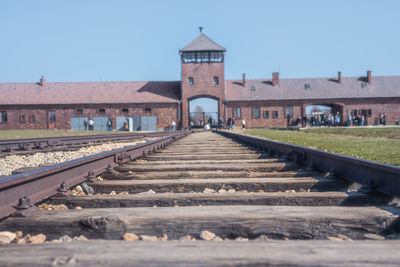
(153, 105)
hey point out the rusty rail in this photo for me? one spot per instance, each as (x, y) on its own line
(373, 176)
(18, 192)
(39, 143)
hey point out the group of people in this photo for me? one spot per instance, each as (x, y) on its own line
(88, 124)
(326, 119)
(355, 119)
(231, 124)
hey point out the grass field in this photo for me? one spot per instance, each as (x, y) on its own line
(20, 134)
(377, 144)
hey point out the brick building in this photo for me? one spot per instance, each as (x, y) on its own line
(153, 105)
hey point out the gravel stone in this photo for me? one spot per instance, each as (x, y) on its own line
(87, 189)
(130, 237)
(65, 238)
(340, 237)
(147, 192)
(14, 162)
(80, 238)
(20, 241)
(263, 238)
(206, 235)
(217, 238)
(19, 234)
(187, 238)
(149, 238)
(7, 237)
(163, 238)
(222, 190)
(37, 239)
(208, 190)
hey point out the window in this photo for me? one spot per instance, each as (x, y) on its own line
(275, 114)
(79, 111)
(22, 119)
(188, 57)
(101, 111)
(366, 113)
(3, 116)
(252, 87)
(237, 113)
(33, 118)
(216, 81)
(266, 114)
(256, 112)
(364, 85)
(52, 116)
(202, 57)
(216, 56)
(289, 112)
(191, 80)
(355, 112)
(307, 86)
(124, 110)
(147, 109)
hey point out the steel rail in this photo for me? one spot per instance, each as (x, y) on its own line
(373, 176)
(32, 143)
(20, 191)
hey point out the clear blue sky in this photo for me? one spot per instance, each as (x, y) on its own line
(92, 40)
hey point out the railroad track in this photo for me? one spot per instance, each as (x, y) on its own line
(66, 143)
(258, 202)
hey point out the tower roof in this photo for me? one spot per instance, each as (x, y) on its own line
(202, 43)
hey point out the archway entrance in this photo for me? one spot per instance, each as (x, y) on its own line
(323, 114)
(202, 111)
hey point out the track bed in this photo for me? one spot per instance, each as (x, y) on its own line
(257, 210)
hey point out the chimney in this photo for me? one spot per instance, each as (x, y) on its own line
(339, 77)
(369, 76)
(244, 79)
(275, 78)
(42, 81)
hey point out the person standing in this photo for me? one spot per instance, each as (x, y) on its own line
(337, 119)
(210, 121)
(362, 120)
(91, 125)
(244, 124)
(173, 124)
(229, 123)
(85, 123)
(348, 123)
(109, 124)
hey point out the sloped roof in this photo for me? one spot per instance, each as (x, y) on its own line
(89, 92)
(202, 43)
(321, 88)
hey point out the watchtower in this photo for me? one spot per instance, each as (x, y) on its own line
(202, 74)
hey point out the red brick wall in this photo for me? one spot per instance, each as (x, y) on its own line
(203, 85)
(165, 114)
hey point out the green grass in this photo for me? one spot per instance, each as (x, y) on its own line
(377, 144)
(387, 132)
(21, 134)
